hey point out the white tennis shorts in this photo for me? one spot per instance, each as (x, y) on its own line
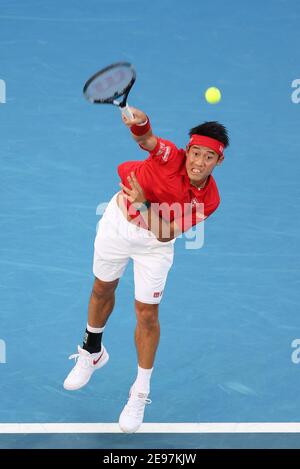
(118, 240)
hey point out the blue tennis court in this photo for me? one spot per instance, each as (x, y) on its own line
(231, 309)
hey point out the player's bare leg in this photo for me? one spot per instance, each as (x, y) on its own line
(102, 302)
(147, 335)
(93, 354)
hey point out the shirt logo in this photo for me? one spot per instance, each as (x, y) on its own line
(163, 151)
(166, 155)
(199, 209)
(194, 202)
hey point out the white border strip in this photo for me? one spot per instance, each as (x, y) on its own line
(268, 427)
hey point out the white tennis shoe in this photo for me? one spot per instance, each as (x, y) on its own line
(132, 415)
(86, 364)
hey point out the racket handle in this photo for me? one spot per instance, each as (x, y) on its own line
(127, 112)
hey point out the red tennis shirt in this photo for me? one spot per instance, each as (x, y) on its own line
(164, 180)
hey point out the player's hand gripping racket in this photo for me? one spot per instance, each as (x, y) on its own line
(111, 84)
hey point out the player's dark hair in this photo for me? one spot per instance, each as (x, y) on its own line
(212, 129)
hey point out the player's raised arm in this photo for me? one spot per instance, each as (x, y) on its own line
(140, 129)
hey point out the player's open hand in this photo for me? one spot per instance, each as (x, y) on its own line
(138, 117)
(135, 194)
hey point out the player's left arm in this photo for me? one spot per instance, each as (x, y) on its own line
(163, 230)
(140, 125)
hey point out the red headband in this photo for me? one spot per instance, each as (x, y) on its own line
(215, 145)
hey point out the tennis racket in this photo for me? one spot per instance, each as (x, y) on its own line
(111, 85)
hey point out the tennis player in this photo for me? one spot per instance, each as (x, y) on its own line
(159, 199)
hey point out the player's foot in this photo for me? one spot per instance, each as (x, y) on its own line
(132, 415)
(86, 364)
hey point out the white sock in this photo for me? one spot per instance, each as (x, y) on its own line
(95, 330)
(142, 382)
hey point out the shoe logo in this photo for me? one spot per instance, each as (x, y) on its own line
(96, 361)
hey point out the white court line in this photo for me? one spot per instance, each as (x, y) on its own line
(253, 427)
(68, 20)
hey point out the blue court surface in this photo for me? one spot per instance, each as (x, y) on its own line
(230, 312)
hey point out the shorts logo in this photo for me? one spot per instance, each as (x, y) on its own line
(157, 294)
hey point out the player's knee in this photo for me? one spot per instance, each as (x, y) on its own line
(147, 315)
(103, 289)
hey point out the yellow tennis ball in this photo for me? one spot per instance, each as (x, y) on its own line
(213, 95)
